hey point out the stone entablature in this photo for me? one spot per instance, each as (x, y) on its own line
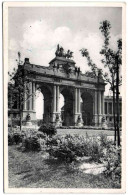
(59, 75)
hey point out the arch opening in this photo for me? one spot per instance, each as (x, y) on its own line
(39, 105)
(44, 105)
(87, 108)
(67, 110)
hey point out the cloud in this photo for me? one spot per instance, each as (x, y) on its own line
(39, 43)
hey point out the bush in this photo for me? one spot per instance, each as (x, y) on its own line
(33, 140)
(10, 139)
(68, 148)
(31, 143)
(14, 137)
(48, 129)
(96, 150)
(104, 141)
(112, 160)
(17, 138)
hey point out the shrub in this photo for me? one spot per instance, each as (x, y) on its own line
(71, 147)
(17, 138)
(10, 139)
(14, 137)
(96, 150)
(33, 140)
(68, 148)
(48, 129)
(31, 143)
(112, 160)
(104, 141)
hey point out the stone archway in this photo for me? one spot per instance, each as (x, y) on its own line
(47, 115)
(63, 76)
(68, 108)
(87, 108)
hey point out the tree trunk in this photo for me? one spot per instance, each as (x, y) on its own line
(20, 109)
(11, 115)
(117, 100)
(20, 120)
(114, 114)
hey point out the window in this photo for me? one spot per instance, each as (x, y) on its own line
(120, 108)
(110, 119)
(110, 108)
(105, 107)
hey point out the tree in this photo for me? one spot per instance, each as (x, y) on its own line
(21, 84)
(112, 61)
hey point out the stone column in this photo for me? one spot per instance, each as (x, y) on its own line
(76, 107)
(54, 99)
(96, 108)
(75, 100)
(100, 108)
(54, 105)
(30, 99)
(102, 99)
(25, 97)
(79, 121)
(100, 103)
(57, 98)
(78, 101)
(34, 94)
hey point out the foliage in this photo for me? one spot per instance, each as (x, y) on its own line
(33, 140)
(14, 138)
(31, 143)
(10, 139)
(112, 60)
(68, 148)
(101, 150)
(108, 53)
(104, 141)
(112, 160)
(48, 129)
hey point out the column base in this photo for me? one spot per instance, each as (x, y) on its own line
(104, 122)
(32, 114)
(78, 120)
(56, 119)
(100, 119)
(96, 120)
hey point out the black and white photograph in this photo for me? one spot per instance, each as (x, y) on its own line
(64, 97)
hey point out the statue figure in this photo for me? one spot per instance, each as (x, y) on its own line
(28, 118)
(104, 122)
(79, 121)
(57, 51)
(58, 121)
(69, 54)
(60, 52)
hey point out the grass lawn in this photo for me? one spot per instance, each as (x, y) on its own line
(34, 170)
(82, 132)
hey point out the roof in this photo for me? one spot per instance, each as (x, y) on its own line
(63, 59)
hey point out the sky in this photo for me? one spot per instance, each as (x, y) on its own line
(35, 32)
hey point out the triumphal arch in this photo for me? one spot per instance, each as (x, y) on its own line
(63, 76)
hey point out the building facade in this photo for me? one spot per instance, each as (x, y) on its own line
(108, 104)
(62, 76)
